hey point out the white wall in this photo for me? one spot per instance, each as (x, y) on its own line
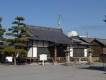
(32, 52)
(85, 52)
(71, 52)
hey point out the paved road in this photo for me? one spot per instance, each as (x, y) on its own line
(49, 72)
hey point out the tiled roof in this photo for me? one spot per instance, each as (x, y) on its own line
(78, 41)
(103, 41)
(48, 34)
(88, 40)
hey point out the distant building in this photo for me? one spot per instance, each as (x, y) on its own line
(97, 45)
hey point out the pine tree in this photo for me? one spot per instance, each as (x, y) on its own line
(2, 31)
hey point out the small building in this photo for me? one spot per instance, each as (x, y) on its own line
(50, 41)
(103, 42)
(78, 49)
(97, 45)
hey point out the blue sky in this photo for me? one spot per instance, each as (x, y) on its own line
(80, 15)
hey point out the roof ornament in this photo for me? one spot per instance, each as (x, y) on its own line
(58, 21)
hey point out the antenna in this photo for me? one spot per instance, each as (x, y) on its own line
(87, 35)
(58, 21)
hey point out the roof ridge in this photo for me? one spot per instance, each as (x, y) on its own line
(100, 39)
(44, 27)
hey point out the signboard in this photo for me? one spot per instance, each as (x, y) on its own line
(9, 59)
(43, 57)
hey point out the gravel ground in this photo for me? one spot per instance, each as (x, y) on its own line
(50, 72)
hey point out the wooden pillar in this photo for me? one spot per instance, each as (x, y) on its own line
(32, 52)
(55, 54)
(68, 55)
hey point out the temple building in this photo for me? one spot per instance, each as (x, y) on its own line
(50, 41)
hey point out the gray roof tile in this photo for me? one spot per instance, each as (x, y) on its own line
(48, 34)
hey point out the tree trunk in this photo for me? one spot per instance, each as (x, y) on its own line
(14, 58)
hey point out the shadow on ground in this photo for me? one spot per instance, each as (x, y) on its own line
(99, 68)
(66, 64)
